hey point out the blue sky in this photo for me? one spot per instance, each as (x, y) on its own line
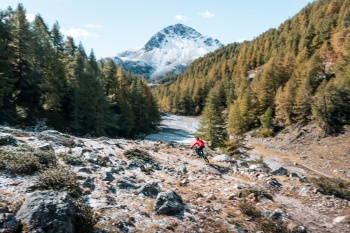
(112, 26)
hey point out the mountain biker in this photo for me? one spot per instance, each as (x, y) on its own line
(200, 145)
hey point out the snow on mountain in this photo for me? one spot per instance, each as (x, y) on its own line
(169, 51)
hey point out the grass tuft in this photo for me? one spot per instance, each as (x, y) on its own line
(332, 186)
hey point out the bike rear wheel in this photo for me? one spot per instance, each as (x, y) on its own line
(201, 153)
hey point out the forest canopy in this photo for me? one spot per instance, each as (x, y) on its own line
(47, 77)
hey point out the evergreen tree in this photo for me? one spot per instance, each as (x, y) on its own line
(7, 79)
(212, 125)
(26, 88)
(47, 68)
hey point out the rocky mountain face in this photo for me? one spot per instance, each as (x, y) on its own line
(117, 185)
(169, 51)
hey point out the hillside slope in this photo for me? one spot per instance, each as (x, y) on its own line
(125, 187)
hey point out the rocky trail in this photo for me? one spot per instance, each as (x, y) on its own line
(160, 186)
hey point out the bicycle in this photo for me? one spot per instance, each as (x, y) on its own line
(202, 155)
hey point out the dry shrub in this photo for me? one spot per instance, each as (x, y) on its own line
(85, 217)
(71, 160)
(23, 164)
(257, 193)
(137, 154)
(332, 186)
(59, 179)
(46, 158)
(25, 160)
(272, 226)
(262, 223)
(266, 133)
(249, 209)
(233, 147)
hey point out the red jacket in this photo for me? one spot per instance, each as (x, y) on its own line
(199, 142)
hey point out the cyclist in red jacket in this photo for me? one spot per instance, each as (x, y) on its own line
(200, 145)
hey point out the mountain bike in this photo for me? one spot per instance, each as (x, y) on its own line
(202, 155)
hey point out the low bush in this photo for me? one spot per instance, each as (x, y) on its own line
(249, 209)
(332, 186)
(262, 223)
(265, 133)
(137, 154)
(25, 160)
(46, 158)
(233, 147)
(257, 193)
(71, 159)
(18, 163)
(59, 179)
(272, 226)
(85, 217)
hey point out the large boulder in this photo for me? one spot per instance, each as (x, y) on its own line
(57, 138)
(280, 172)
(6, 139)
(128, 182)
(168, 203)
(8, 223)
(48, 211)
(150, 190)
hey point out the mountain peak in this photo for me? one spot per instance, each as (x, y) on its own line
(181, 30)
(170, 50)
(173, 31)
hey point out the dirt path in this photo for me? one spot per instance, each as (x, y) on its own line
(313, 219)
(314, 210)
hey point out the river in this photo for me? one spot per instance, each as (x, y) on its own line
(175, 128)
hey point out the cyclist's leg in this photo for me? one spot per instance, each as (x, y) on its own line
(197, 151)
(203, 155)
(200, 150)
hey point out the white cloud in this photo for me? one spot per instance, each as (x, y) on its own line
(30, 17)
(207, 15)
(92, 26)
(181, 17)
(241, 40)
(78, 32)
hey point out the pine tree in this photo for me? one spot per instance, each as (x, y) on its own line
(26, 88)
(47, 68)
(212, 125)
(7, 79)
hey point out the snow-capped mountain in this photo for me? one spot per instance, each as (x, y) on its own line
(169, 51)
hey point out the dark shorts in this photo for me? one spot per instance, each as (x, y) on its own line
(199, 148)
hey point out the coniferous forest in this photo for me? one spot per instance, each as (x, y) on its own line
(45, 77)
(297, 73)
